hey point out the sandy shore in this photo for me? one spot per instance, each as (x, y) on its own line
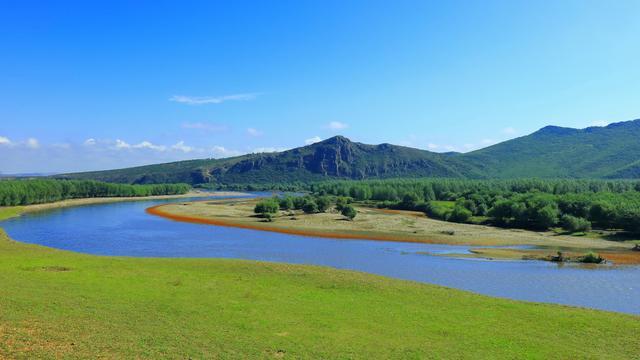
(374, 224)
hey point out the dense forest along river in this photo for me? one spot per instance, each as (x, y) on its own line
(124, 229)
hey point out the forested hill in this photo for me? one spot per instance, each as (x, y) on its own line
(556, 152)
(552, 152)
(337, 157)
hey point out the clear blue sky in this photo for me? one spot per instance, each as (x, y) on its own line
(102, 84)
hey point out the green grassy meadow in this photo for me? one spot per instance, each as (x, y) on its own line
(58, 304)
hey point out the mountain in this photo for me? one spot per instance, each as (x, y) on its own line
(556, 152)
(337, 157)
(551, 152)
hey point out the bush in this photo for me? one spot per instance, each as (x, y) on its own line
(592, 258)
(310, 207)
(575, 224)
(341, 202)
(349, 212)
(545, 217)
(286, 203)
(436, 211)
(323, 203)
(265, 207)
(459, 214)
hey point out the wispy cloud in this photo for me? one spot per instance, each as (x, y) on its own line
(180, 146)
(5, 141)
(122, 144)
(509, 131)
(203, 126)
(201, 100)
(432, 146)
(150, 146)
(254, 132)
(337, 125)
(32, 143)
(312, 140)
(90, 142)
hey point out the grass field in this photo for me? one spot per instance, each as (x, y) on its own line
(58, 304)
(394, 225)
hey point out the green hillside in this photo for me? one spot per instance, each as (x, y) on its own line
(552, 152)
(595, 152)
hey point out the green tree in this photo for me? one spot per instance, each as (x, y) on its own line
(459, 214)
(323, 203)
(310, 207)
(349, 212)
(266, 208)
(286, 203)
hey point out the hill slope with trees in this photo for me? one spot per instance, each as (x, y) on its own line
(552, 152)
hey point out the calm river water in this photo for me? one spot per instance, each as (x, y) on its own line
(124, 229)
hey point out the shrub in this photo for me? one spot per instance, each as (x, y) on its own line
(310, 207)
(286, 203)
(575, 224)
(268, 206)
(323, 203)
(545, 217)
(591, 258)
(349, 212)
(459, 214)
(436, 211)
(342, 201)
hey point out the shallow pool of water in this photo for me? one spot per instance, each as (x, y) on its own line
(124, 229)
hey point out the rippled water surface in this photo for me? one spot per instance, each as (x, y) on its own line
(124, 229)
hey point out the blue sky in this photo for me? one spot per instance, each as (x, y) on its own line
(89, 85)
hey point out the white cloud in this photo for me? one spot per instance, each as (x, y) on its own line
(312, 140)
(487, 141)
(204, 126)
(254, 132)
(337, 125)
(5, 141)
(200, 100)
(90, 142)
(509, 131)
(180, 146)
(122, 145)
(32, 143)
(431, 146)
(148, 145)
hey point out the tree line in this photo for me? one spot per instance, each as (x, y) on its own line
(309, 204)
(576, 205)
(38, 191)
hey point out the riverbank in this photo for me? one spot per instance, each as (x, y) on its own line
(59, 304)
(375, 224)
(13, 211)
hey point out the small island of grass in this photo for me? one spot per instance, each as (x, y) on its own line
(393, 225)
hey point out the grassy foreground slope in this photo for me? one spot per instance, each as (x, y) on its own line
(62, 304)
